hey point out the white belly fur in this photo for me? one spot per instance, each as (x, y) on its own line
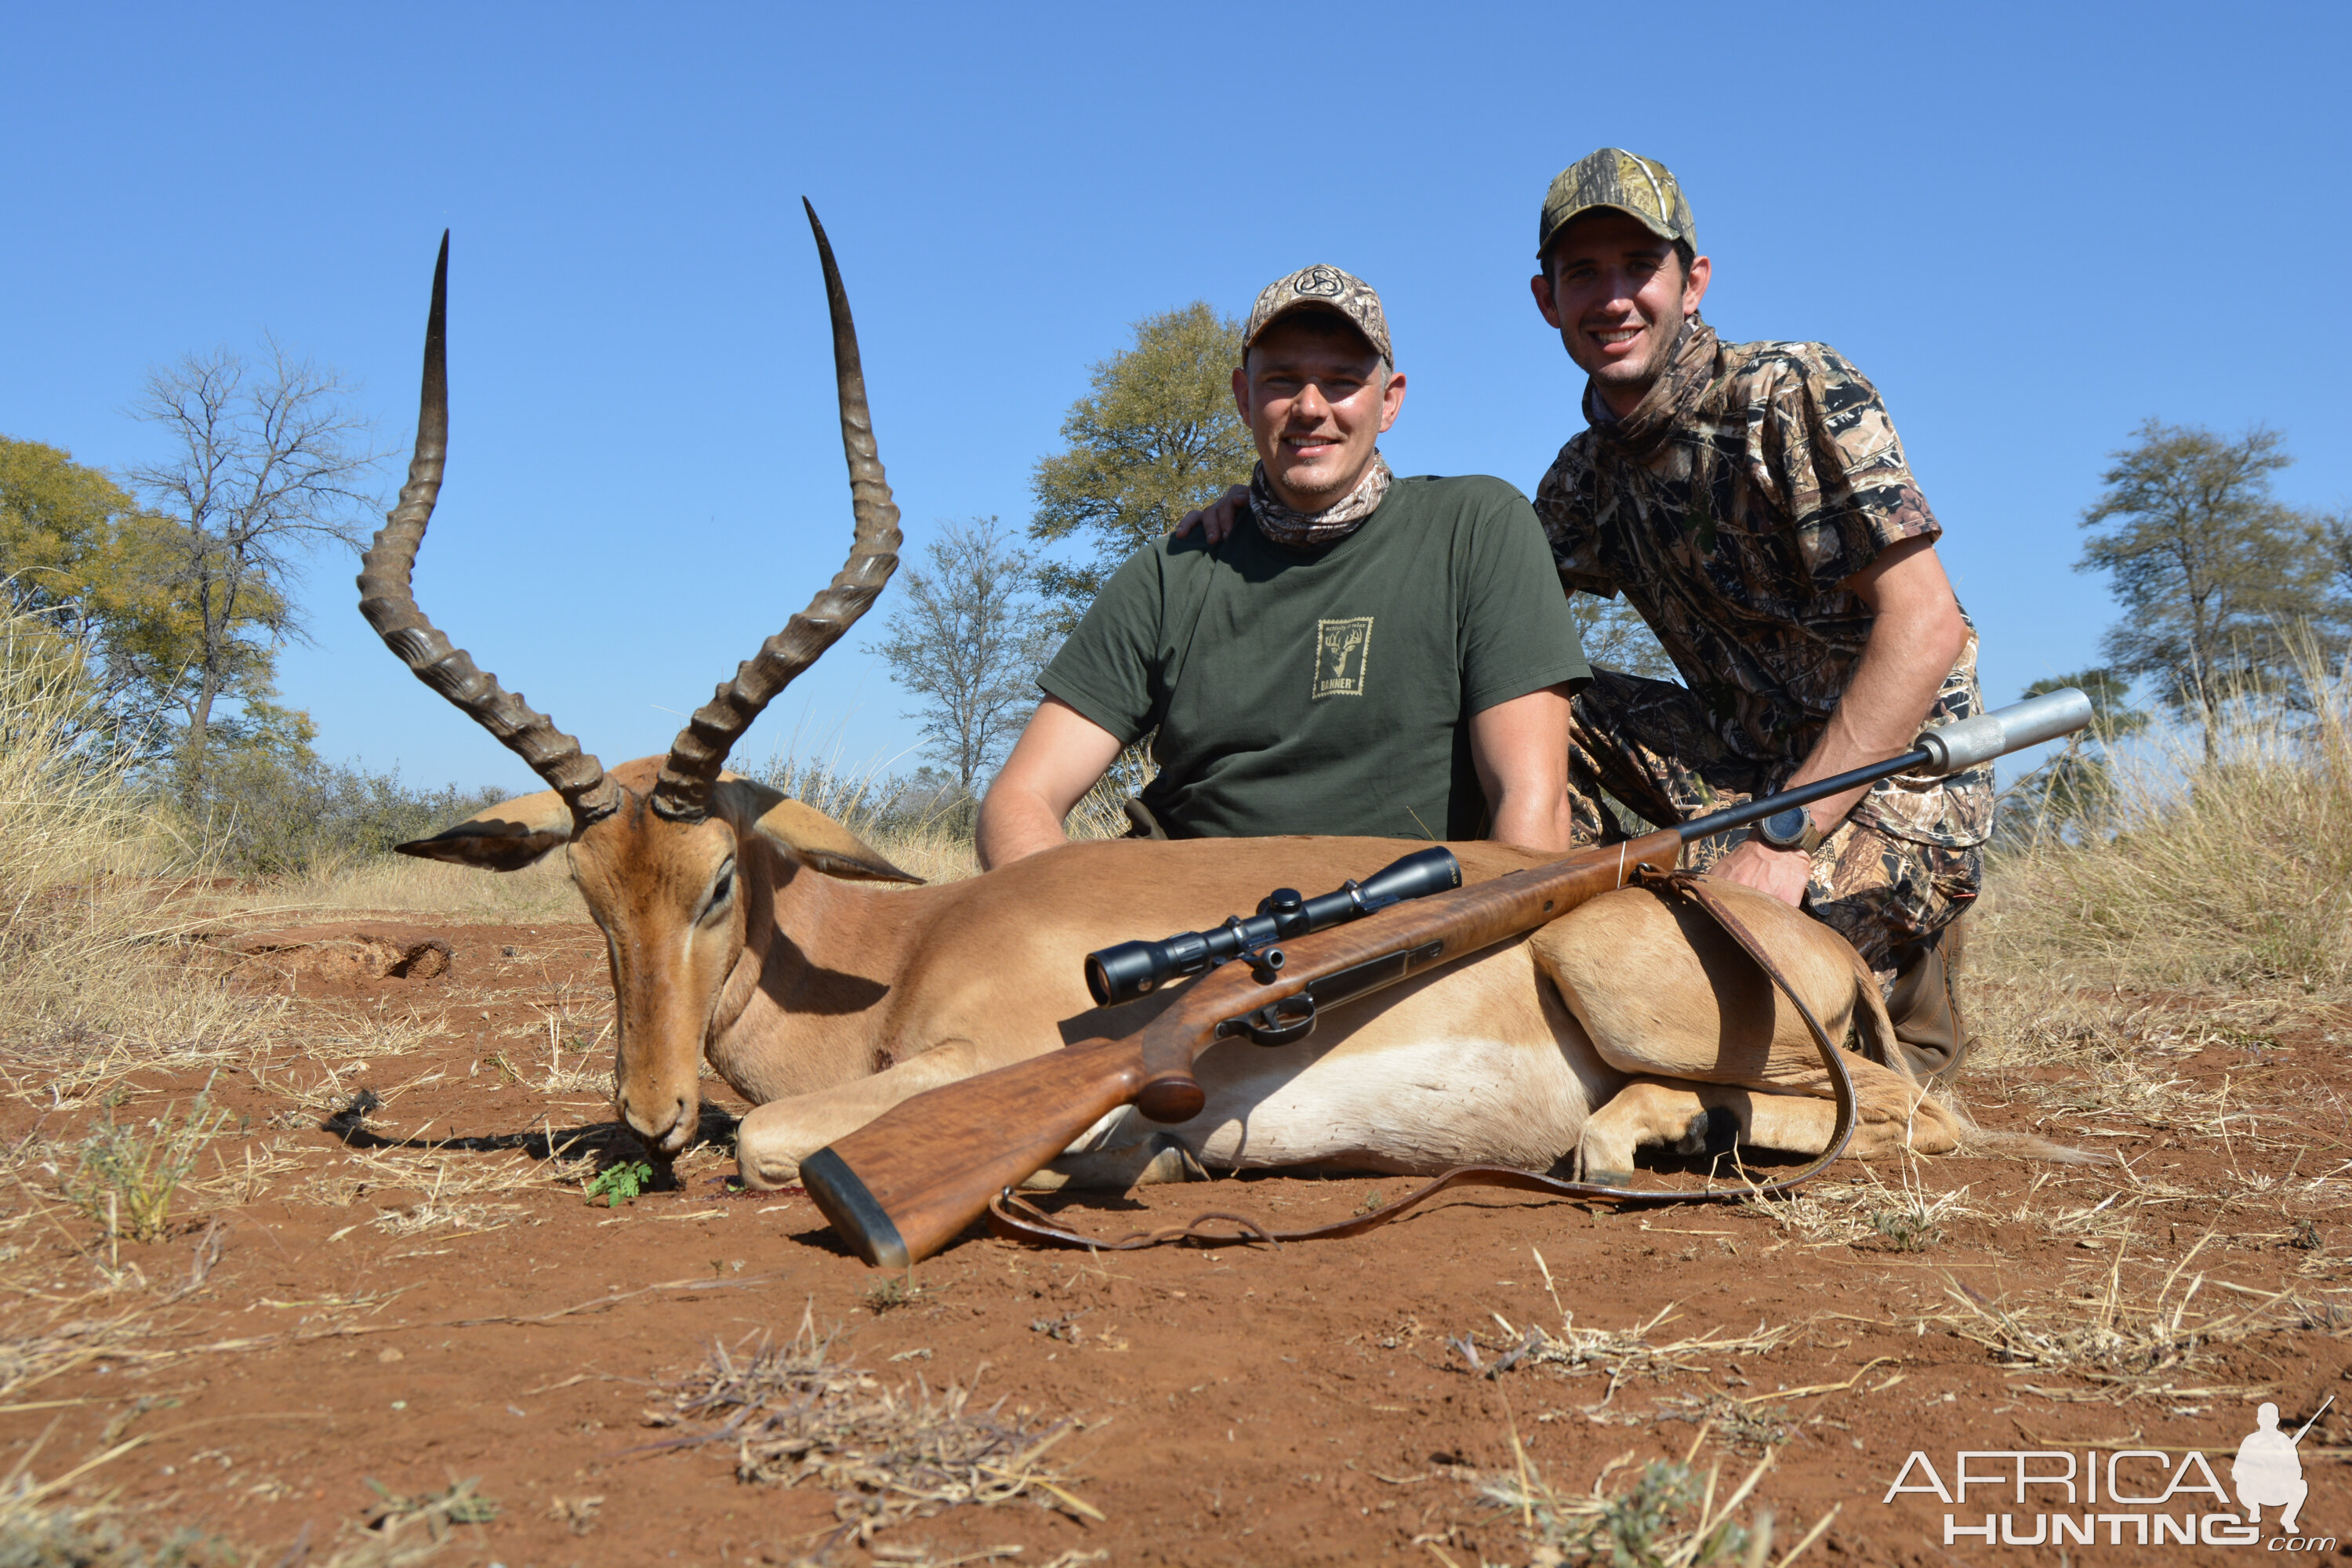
(1410, 1089)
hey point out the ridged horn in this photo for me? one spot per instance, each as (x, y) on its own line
(388, 600)
(701, 750)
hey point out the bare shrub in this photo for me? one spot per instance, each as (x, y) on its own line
(794, 1412)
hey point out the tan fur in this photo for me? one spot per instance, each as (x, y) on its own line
(756, 941)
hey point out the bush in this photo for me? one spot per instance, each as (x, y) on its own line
(264, 815)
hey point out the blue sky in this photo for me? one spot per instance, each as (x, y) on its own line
(2031, 226)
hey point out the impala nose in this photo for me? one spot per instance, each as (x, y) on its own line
(665, 1127)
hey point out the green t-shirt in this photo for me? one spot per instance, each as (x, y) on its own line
(1326, 690)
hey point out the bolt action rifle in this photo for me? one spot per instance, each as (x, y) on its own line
(906, 1184)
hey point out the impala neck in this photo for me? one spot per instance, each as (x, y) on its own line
(801, 1007)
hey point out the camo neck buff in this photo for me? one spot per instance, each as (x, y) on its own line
(1306, 530)
(1688, 371)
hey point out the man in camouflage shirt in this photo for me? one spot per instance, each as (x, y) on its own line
(1752, 502)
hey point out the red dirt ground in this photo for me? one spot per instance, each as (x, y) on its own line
(1297, 1406)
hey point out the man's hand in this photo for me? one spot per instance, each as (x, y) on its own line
(1917, 634)
(1057, 759)
(1782, 873)
(1218, 518)
(1520, 749)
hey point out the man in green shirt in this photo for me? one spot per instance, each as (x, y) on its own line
(1363, 655)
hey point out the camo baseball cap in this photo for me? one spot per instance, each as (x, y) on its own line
(1320, 288)
(1613, 177)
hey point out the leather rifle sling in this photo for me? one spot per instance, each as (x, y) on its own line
(1013, 1217)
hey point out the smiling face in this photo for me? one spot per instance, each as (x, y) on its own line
(1316, 397)
(1618, 296)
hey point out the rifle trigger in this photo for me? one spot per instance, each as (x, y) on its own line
(1279, 1023)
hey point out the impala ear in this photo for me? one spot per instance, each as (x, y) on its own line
(806, 833)
(505, 837)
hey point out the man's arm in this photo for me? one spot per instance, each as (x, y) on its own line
(1521, 748)
(1917, 635)
(1057, 759)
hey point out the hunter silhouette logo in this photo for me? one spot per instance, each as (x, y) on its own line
(1342, 650)
(2268, 1470)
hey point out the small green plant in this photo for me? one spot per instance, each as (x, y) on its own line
(617, 1185)
(129, 1175)
(1905, 1230)
(461, 1504)
(1372, 1204)
(885, 1295)
(1648, 1524)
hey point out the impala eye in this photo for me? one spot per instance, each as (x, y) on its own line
(722, 886)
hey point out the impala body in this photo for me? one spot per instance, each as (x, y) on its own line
(751, 930)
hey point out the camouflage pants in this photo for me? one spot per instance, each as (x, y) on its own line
(1649, 743)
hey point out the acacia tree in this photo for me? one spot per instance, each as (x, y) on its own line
(1156, 438)
(268, 462)
(2222, 584)
(968, 641)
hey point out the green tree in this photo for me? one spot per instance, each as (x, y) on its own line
(85, 565)
(966, 641)
(1155, 438)
(267, 462)
(2223, 586)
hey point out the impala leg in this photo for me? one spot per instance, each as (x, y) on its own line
(772, 1140)
(1121, 1152)
(1691, 1117)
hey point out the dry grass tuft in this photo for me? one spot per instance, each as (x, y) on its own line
(1622, 1354)
(796, 1415)
(1667, 1516)
(1868, 1213)
(2126, 1341)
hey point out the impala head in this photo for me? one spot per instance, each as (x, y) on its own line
(656, 846)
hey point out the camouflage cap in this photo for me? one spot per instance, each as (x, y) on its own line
(1322, 288)
(1613, 177)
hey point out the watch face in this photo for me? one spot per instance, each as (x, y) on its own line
(1784, 829)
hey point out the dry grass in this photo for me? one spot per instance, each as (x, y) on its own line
(1867, 1212)
(1665, 1516)
(84, 929)
(795, 1414)
(2227, 877)
(1636, 1350)
(2145, 1332)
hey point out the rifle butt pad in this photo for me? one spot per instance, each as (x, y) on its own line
(905, 1185)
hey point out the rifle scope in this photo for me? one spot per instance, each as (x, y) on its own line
(1134, 969)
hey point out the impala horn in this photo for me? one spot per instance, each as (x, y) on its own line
(701, 750)
(388, 600)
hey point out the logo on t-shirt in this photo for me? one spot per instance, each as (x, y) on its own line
(1341, 651)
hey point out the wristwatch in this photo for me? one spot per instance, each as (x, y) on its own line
(1791, 829)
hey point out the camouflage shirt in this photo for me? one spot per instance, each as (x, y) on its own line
(1751, 481)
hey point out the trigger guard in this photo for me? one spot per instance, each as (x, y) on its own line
(1269, 1026)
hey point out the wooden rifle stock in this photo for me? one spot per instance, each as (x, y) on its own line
(908, 1183)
